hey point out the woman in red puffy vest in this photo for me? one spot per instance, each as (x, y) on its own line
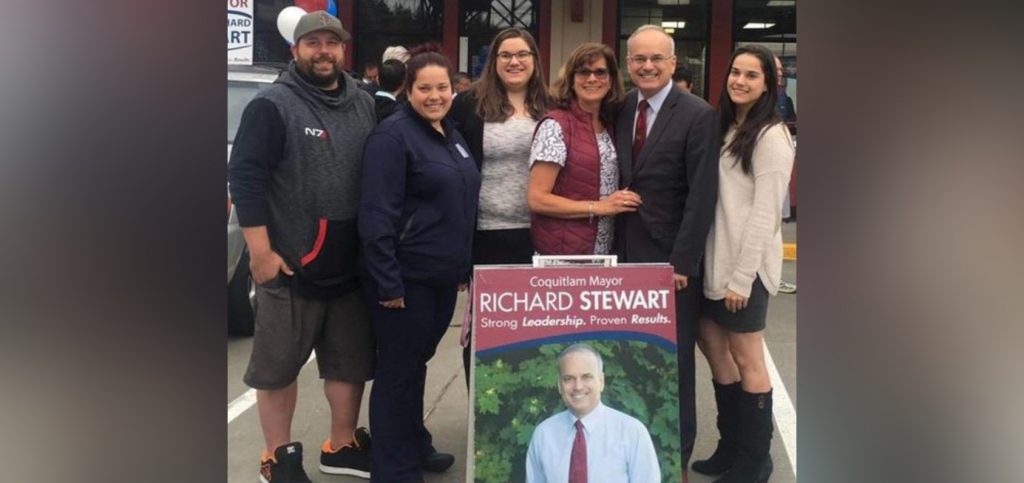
(574, 170)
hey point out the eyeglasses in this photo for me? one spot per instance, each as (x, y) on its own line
(521, 56)
(585, 73)
(642, 59)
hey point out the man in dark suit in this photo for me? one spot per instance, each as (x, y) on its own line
(667, 143)
(392, 76)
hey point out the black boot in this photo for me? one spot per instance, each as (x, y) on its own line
(753, 463)
(726, 396)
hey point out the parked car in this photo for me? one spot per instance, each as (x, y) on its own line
(244, 82)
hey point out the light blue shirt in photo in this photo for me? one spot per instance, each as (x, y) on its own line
(619, 449)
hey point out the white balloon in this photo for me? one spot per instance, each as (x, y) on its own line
(287, 20)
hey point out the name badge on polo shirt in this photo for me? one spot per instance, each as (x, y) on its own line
(462, 150)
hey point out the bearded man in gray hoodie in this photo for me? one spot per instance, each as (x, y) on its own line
(294, 178)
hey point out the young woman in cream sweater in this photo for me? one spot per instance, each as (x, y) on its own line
(743, 264)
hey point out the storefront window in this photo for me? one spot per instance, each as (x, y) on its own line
(268, 44)
(685, 20)
(773, 25)
(383, 23)
(481, 20)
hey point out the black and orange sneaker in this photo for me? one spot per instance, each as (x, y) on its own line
(352, 459)
(284, 466)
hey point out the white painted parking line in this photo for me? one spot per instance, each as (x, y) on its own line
(247, 400)
(785, 413)
(241, 404)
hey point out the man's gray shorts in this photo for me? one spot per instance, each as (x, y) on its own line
(289, 327)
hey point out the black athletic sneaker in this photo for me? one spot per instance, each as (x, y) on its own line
(285, 466)
(352, 459)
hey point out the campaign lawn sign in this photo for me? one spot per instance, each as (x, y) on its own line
(240, 32)
(523, 317)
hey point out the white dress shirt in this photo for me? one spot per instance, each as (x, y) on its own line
(653, 106)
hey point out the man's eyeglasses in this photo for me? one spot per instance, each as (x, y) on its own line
(585, 73)
(642, 59)
(521, 56)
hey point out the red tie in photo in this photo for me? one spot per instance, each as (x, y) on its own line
(641, 128)
(578, 460)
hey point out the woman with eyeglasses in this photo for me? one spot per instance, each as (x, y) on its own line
(743, 264)
(574, 170)
(497, 116)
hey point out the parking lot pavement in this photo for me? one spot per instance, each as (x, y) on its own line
(445, 401)
(445, 405)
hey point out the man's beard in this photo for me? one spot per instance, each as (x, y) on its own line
(305, 67)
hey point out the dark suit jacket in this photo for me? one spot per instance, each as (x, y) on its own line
(469, 124)
(676, 175)
(385, 107)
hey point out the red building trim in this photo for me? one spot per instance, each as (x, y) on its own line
(544, 42)
(347, 15)
(450, 37)
(609, 24)
(719, 47)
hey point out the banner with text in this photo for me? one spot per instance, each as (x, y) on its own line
(523, 317)
(240, 32)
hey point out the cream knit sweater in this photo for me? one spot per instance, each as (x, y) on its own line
(745, 240)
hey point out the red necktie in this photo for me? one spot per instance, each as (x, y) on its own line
(578, 460)
(641, 128)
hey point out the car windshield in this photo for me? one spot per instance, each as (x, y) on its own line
(239, 95)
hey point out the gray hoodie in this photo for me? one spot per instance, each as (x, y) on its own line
(317, 181)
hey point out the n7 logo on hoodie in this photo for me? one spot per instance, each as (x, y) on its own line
(320, 133)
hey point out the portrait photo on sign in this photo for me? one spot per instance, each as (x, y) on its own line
(519, 389)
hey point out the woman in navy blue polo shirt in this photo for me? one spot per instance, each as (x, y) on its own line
(420, 188)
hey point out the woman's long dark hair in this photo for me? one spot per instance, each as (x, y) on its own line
(562, 93)
(492, 99)
(762, 114)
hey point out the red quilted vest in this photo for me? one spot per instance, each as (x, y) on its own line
(579, 179)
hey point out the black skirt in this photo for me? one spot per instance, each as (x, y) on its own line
(750, 319)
